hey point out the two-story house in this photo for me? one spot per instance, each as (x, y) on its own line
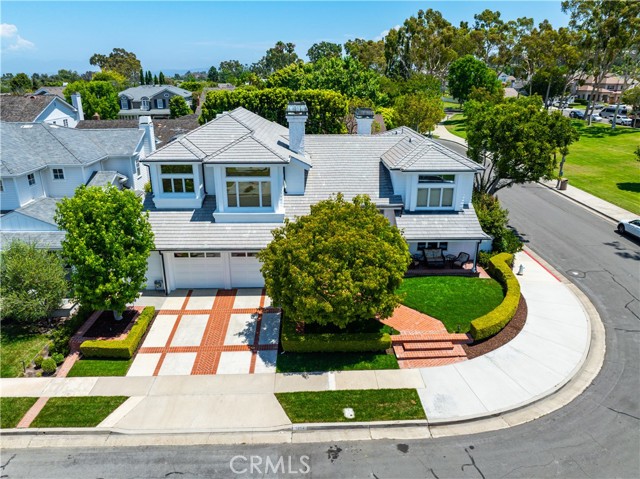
(220, 190)
(609, 90)
(42, 108)
(43, 163)
(149, 100)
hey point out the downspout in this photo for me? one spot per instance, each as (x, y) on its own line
(475, 258)
(204, 183)
(164, 275)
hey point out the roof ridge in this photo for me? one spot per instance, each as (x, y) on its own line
(184, 140)
(269, 148)
(48, 130)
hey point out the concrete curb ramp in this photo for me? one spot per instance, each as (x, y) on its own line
(554, 358)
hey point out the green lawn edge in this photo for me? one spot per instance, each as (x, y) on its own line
(321, 362)
(100, 367)
(18, 344)
(368, 405)
(12, 409)
(77, 411)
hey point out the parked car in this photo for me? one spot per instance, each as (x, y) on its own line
(596, 117)
(579, 114)
(622, 120)
(631, 227)
(609, 111)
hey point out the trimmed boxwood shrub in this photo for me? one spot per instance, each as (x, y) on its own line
(49, 366)
(119, 348)
(38, 361)
(58, 358)
(499, 268)
(294, 342)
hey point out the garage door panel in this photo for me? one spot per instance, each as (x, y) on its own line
(198, 272)
(245, 272)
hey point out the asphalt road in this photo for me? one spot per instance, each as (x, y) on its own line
(597, 435)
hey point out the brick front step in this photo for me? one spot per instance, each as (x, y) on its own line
(427, 337)
(401, 353)
(427, 363)
(428, 346)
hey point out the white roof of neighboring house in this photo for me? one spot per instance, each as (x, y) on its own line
(147, 91)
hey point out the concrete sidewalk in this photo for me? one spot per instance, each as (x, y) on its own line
(545, 356)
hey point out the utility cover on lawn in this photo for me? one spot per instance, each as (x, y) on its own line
(348, 413)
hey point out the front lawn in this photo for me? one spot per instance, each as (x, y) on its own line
(77, 411)
(317, 362)
(100, 367)
(457, 125)
(367, 404)
(18, 344)
(603, 164)
(13, 409)
(454, 300)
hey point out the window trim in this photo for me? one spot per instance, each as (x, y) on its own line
(158, 102)
(65, 122)
(124, 103)
(248, 179)
(31, 179)
(144, 102)
(58, 174)
(1, 186)
(173, 177)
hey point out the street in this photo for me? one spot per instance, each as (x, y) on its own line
(597, 435)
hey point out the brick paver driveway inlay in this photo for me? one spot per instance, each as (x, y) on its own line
(211, 332)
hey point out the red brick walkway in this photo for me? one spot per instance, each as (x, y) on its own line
(424, 341)
(212, 344)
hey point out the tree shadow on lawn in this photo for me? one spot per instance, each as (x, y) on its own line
(633, 187)
(603, 132)
(460, 121)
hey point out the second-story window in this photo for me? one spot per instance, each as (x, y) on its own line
(177, 178)
(435, 191)
(160, 103)
(31, 178)
(144, 104)
(248, 187)
(124, 103)
(58, 174)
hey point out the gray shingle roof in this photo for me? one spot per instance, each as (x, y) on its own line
(104, 178)
(51, 90)
(42, 239)
(32, 146)
(239, 136)
(42, 209)
(196, 230)
(442, 226)
(15, 108)
(136, 93)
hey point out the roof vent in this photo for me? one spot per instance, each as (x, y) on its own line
(26, 126)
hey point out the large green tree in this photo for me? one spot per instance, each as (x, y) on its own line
(97, 97)
(108, 240)
(277, 57)
(178, 107)
(516, 141)
(466, 73)
(419, 111)
(340, 264)
(324, 50)
(369, 53)
(20, 84)
(119, 60)
(32, 282)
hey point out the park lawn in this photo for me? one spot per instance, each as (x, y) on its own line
(18, 344)
(457, 125)
(454, 105)
(13, 409)
(100, 367)
(368, 405)
(77, 411)
(454, 300)
(319, 362)
(602, 163)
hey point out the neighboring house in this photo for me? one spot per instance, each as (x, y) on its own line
(50, 90)
(221, 189)
(43, 108)
(166, 130)
(149, 100)
(609, 90)
(507, 80)
(43, 163)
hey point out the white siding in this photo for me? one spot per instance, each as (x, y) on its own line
(464, 189)
(27, 193)
(398, 181)
(73, 177)
(123, 165)
(294, 175)
(57, 112)
(209, 183)
(9, 199)
(20, 222)
(154, 269)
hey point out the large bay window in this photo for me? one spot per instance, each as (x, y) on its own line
(248, 187)
(435, 191)
(177, 178)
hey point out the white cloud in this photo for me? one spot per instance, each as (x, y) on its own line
(385, 33)
(12, 41)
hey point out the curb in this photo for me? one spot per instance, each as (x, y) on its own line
(571, 198)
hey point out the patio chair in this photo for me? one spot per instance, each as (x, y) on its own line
(434, 257)
(461, 260)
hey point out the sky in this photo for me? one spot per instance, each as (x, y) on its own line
(46, 36)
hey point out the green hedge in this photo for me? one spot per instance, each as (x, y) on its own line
(499, 268)
(294, 342)
(119, 348)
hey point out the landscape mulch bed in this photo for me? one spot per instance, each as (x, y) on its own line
(509, 332)
(107, 327)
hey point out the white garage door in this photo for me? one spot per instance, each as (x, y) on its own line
(245, 271)
(198, 270)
